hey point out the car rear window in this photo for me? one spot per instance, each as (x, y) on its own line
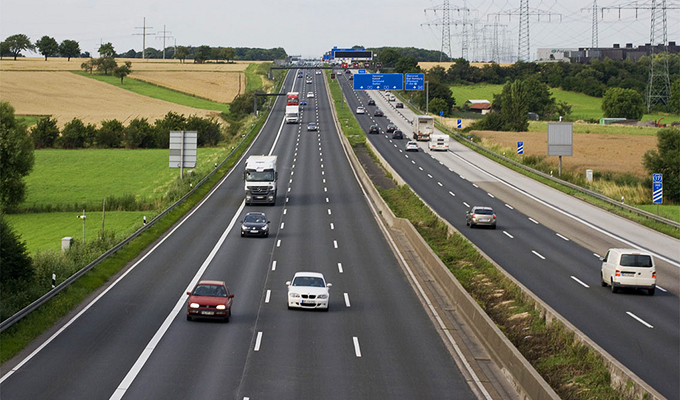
(483, 211)
(636, 260)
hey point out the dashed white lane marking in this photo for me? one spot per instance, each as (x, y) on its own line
(335, 244)
(357, 349)
(266, 297)
(640, 320)
(290, 181)
(452, 194)
(322, 173)
(340, 268)
(285, 210)
(289, 189)
(508, 235)
(429, 176)
(329, 211)
(509, 206)
(660, 288)
(440, 184)
(406, 155)
(278, 243)
(287, 199)
(492, 196)
(273, 265)
(537, 254)
(562, 237)
(420, 168)
(466, 204)
(475, 185)
(413, 162)
(597, 255)
(325, 189)
(327, 200)
(533, 220)
(347, 299)
(258, 341)
(332, 226)
(282, 224)
(323, 180)
(580, 281)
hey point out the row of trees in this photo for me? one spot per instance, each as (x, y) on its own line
(46, 45)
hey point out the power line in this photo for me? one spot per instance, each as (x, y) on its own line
(164, 35)
(445, 22)
(144, 34)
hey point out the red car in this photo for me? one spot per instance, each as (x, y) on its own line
(209, 299)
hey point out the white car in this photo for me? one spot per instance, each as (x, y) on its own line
(308, 290)
(412, 146)
(628, 268)
(318, 72)
(310, 95)
(361, 110)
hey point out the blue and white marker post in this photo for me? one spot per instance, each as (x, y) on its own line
(657, 190)
(520, 148)
(459, 123)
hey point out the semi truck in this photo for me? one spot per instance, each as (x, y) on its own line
(292, 114)
(423, 127)
(438, 141)
(293, 98)
(260, 178)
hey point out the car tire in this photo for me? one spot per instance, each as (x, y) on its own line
(494, 226)
(189, 318)
(602, 281)
(614, 288)
(242, 234)
(651, 291)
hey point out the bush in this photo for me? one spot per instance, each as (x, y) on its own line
(209, 133)
(110, 135)
(14, 258)
(73, 135)
(139, 133)
(666, 160)
(623, 103)
(162, 128)
(45, 133)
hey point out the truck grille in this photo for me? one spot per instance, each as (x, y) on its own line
(259, 190)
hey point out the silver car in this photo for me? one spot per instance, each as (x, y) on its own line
(479, 215)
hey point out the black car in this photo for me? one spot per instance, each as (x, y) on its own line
(391, 128)
(399, 105)
(348, 71)
(371, 102)
(397, 134)
(374, 129)
(351, 77)
(255, 223)
(378, 113)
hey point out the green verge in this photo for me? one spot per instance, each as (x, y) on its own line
(19, 335)
(572, 370)
(158, 92)
(253, 78)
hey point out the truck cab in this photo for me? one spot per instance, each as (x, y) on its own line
(260, 177)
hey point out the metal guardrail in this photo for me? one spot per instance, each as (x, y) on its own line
(47, 296)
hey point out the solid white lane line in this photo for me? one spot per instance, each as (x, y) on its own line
(357, 349)
(340, 268)
(282, 224)
(533, 220)
(640, 320)
(266, 298)
(508, 235)
(346, 299)
(538, 255)
(179, 306)
(332, 226)
(509, 206)
(335, 244)
(258, 341)
(466, 204)
(452, 194)
(492, 196)
(580, 281)
(273, 265)
(562, 237)
(278, 243)
(439, 183)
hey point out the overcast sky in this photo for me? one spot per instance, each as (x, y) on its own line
(312, 27)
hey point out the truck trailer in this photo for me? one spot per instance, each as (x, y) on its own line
(423, 127)
(292, 114)
(260, 178)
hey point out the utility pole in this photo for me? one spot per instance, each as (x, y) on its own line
(144, 34)
(595, 40)
(524, 12)
(164, 35)
(446, 23)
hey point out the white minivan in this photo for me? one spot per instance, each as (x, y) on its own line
(630, 268)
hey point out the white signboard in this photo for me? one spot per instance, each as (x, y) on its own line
(183, 147)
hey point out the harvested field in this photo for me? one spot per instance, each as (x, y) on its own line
(216, 86)
(65, 96)
(599, 152)
(61, 64)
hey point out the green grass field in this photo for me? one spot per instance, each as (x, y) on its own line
(90, 175)
(671, 212)
(584, 106)
(253, 79)
(157, 92)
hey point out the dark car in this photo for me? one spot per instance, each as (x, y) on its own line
(479, 215)
(312, 126)
(391, 128)
(399, 105)
(374, 129)
(397, 134)
(255, 223)
(371, 102)
(378, 113)
(210, 299)
(351, 77)
(348, 71)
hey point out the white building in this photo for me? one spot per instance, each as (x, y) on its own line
(553, 54)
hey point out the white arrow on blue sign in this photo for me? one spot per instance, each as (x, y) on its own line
(657, 188)
(520, 147)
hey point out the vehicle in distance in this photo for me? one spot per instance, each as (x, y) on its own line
(378, 113)
(361, 110)
(255, 224)
(423, 127)
(318, 72)
(292, 114)
(438, 142)
(312, 126)
(348, 71)
(399, 105)
(374, 129)
(480, 215)
(310, 95)
(371, 102)
(351, 77)
(391, 128)
(628, 268)
(299, 74)
(412, 146)
(308, 290)
(397, 134)
(209, 299)
(303, 102)
(309, 79)
(260, 178)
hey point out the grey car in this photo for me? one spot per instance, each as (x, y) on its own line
(479, 215)
(255, 224)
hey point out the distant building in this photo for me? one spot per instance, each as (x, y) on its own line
(480, 106)
(585, 55)
(554, 54)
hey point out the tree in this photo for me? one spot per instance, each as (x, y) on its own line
(202, 53)
(18, 43)
(623, 103)
(45, 133)
(73, 135)
(16, 264)
(208, 130)
(138, 133)
(437, 105)
(181, 53)
(110, 134)
(69, 48)
(4, 49)
(122, 71)
(16, 158)
(47, 46)
(666, 160)
(515, 106)
(88, 65)
(389, 57)
(106, 50)
(538, 96)
(216, 53)
(106, 64)
(674, 103)
(406, 64)
(229, 53)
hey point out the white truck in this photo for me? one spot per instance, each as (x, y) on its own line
(438, 141)
(423, 127)
(292, 114)
(260, 179)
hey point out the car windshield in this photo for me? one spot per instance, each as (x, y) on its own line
(484, 211)
(258, 219)
(308, 281)
(259, 176)
(636, 260)
(210, 290)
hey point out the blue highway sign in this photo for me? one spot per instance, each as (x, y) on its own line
(378, 82)
(657, 188)
(414, 82)
(520, 147)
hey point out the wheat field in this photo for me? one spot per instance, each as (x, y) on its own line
(216, 86)
(61, 64)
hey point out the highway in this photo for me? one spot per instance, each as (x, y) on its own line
(553, 252)
(132, 340)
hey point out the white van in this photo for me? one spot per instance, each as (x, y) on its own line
(438, 142)
(629, 268)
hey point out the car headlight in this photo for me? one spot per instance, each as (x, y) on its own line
(244, 228)
(293, 294)
(193, 305)
(322, 296)
(221, 307)
(265, 228)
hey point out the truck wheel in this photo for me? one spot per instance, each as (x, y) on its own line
(651, 291)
